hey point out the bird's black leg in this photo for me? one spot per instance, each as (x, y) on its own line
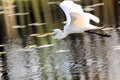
(99, 32)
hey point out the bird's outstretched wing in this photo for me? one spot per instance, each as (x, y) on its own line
(82, 21)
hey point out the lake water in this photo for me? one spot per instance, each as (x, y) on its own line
(84, 56)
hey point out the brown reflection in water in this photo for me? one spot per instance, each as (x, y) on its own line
(9, 21)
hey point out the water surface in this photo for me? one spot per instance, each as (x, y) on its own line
(84, 56)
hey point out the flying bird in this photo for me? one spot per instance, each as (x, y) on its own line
(77, 21)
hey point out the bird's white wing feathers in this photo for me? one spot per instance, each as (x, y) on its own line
(66, 11)
(93, 17)
(68, 7)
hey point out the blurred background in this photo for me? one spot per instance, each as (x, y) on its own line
(28, 50)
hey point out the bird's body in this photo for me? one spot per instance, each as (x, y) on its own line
(77, 20)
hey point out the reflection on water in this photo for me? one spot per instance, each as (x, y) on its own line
(79, 57)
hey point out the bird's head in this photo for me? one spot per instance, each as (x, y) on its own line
(58, 34)
(56, 31)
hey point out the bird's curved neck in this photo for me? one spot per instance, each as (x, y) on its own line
(61, 35)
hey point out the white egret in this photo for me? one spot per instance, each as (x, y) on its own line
(78, 21)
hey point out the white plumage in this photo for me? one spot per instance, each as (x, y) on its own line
(77, 20)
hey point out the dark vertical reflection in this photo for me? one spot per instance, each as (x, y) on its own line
(32, 18)
(3, 65)
(100, 67)
(117, 12)
(2, 30)
(101, 13)
(90, 57)
(79, 69)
